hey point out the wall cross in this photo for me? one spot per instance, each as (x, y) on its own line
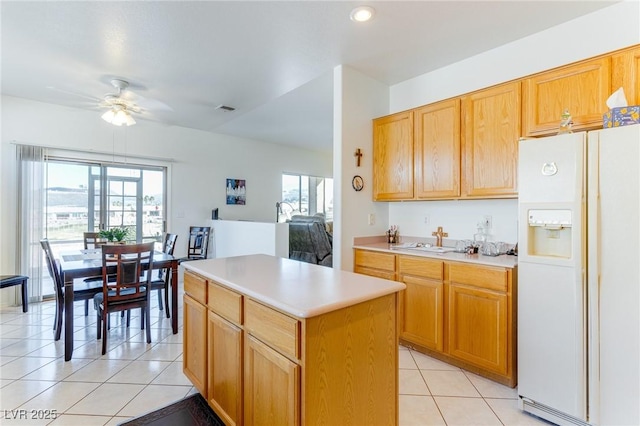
(358, 155)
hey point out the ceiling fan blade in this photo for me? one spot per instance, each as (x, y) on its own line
(74, 93)
(145, 103)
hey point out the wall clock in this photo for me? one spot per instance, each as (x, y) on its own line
(357, 183)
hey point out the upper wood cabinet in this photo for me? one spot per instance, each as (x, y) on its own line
(393, 157)
(490, 142)
(437, 150)
(581, 88)
(625, 73)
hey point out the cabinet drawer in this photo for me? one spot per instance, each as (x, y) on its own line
(278, 330)
(480, 276)
(376, 260)
(226, 303)
(196, 287)
(419, 267)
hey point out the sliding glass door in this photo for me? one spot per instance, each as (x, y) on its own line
(89, 196)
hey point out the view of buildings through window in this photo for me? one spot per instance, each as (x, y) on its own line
(306, 195)
(83, 197)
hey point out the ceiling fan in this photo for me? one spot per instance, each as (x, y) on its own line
(119, 107)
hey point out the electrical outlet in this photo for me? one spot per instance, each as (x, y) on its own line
(372, 219)
(488, 222)
(426, 219)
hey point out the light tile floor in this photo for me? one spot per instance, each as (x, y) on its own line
(135, 377)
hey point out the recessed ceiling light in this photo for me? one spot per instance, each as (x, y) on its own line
(362, 13)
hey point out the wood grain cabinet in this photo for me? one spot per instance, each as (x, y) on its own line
(625, 73)
(195, 332)
(582, 88)
(375, 264)
(266, 367)
(461, 313)
(481, 318)
(490, 142)
(422, 302)
(393, 157)
(437, 150)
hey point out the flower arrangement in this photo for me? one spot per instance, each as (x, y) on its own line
(116, 234)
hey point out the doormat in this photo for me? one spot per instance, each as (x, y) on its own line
(190, 411)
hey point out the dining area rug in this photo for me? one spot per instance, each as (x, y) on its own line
(190, 411)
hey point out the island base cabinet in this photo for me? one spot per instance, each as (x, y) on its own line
(272, 387)
(194, 356)
(225, 369)
(351, 373)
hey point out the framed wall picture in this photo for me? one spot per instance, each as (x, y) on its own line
(236, 191)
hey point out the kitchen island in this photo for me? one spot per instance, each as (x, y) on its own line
(269, 340)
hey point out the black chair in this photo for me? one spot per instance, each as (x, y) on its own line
(198, 243)
(21, 280)
(130, 290)
(161, 281)
(82, 290)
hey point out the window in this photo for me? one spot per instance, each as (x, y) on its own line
(306, 195)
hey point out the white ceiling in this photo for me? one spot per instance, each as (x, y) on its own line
(272, 61)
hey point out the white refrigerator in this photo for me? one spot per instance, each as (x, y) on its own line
(579, 277)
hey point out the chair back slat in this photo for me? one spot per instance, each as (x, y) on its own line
(93, 240)
(130, 283)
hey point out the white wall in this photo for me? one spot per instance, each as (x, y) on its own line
(357, 99)
(609, 29)
(200, 162)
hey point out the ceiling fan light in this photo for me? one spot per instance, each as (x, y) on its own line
(129, 120)
(108, 116)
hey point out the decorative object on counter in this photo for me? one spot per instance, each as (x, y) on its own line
(237, 191)
(357, 183)
(358, 154)
(439, 234)
(392, 235)
(480, 236)
(466, 246)
(566, 123)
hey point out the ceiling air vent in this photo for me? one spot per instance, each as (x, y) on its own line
(225, 108)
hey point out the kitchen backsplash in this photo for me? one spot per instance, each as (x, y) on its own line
(459, 218)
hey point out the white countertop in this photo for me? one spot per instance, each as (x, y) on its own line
(301, 289)
(504, 261)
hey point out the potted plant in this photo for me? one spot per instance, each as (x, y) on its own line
(117, 234)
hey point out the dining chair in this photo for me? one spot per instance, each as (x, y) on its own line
(131, 288)
(92, 240)
(198, 247)
(160, 281)
(82, 290)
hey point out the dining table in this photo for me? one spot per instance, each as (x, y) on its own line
(88, 263)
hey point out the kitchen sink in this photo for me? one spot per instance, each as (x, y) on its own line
(420, 247)
(432, 249)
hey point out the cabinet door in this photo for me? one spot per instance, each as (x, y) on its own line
(194, 358)
(478, 327)
(490, 144)
(625, 73)
(421, 310)
(375, 264)
(581, 88)
(225, 369)
(393, 157)
(437, 150)
(271, 386)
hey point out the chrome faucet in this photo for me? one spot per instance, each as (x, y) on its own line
(439, 234)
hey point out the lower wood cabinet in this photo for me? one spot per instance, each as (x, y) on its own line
(225, 344)
(256, 365)
(272, 386)
(461, 313)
